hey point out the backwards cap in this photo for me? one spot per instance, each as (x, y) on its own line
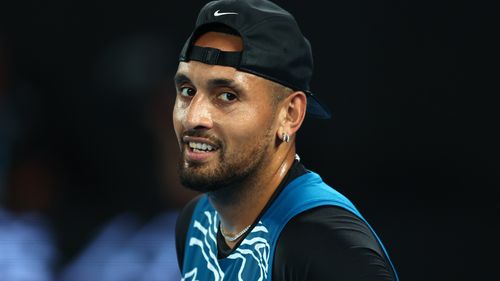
(273, 45)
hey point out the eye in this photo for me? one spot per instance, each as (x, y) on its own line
(187, 92)
(228, 97)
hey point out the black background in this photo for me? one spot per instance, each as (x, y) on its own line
(410, 84)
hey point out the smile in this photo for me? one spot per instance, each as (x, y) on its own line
(199, 149)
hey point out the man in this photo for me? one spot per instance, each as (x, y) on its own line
(242, 95)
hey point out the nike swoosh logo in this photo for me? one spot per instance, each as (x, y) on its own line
(218, 13)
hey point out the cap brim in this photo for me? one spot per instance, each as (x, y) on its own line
(315, 108)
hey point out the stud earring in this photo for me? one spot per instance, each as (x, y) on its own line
(286, 137)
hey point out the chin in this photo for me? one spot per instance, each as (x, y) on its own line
(205, 180)
(198, 178)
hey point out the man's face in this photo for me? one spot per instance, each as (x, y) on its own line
(224, 120)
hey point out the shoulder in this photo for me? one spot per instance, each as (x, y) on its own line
(187, 212)
(182, 226)
(327, 242)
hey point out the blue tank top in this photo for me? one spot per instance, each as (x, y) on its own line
(253, 258)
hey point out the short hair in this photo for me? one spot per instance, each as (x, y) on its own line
(279, 93)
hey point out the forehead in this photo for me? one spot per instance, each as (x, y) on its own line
(205, 77)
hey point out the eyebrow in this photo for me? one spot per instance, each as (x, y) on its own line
(181, 78)
(226, 83)
(221, 82)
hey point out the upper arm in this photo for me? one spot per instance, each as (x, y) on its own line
(329, 243)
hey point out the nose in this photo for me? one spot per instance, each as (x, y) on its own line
(198, 115)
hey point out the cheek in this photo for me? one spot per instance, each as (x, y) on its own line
(250, 126)
(177, 117)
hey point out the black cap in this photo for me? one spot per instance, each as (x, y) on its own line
(273, 45)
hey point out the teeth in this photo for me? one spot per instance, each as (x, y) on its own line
(197, 146)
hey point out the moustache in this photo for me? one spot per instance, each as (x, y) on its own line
(202, 134)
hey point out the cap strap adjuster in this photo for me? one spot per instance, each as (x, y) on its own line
(211, 55)
(214, 56)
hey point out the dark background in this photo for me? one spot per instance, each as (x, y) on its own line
(411, 143)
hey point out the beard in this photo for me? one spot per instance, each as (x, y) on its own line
(230, 170)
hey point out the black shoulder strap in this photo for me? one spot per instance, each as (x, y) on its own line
(181, 229)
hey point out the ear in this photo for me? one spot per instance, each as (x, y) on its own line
(292, 114)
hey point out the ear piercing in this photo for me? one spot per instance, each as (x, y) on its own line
(286, 137)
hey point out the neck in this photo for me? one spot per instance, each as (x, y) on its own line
(239, 206)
